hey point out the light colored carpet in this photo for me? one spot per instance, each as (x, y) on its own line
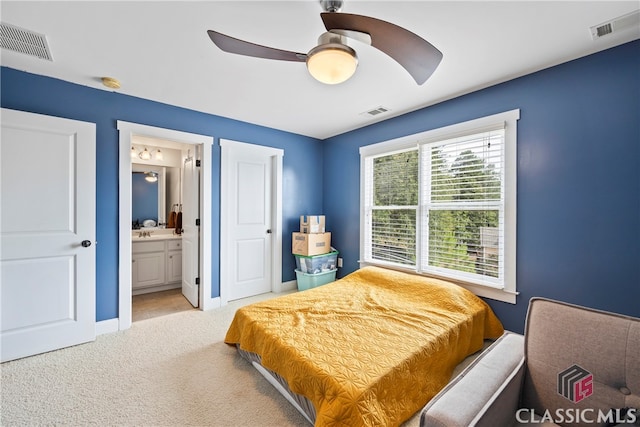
(173, 370)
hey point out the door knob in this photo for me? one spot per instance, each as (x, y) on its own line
(269, 231)
(86, 243)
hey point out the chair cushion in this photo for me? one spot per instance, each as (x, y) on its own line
(565, 345)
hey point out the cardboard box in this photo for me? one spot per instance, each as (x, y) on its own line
(312, 224)
(311, 244)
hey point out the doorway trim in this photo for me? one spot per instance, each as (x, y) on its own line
(126, 133)
(276, 155)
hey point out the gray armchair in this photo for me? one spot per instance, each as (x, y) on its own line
(573, 366)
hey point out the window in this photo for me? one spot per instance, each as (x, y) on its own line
(443, 203)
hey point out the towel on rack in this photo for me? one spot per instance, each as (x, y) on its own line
(179, 223)
(172, 219)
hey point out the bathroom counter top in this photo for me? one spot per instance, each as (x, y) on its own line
(154, 235)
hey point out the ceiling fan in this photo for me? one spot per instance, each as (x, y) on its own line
(332, 61)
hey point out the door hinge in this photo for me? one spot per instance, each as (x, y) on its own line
(197, 222)
(197, 281)
(198, 164)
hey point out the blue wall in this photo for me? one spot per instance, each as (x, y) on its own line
(43, 95)
(578, 179)
(578, 173)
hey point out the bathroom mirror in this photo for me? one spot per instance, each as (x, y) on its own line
(166, 192)
(153, 200)
(145, 198)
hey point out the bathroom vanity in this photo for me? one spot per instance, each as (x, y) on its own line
(156, 260)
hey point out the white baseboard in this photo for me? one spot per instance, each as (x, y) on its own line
(159, 288)
(107, 326)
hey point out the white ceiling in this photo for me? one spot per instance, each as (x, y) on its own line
(160, 50)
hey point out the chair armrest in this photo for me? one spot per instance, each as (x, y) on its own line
(486, 393)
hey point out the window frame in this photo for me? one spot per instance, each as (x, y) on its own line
(508, 120)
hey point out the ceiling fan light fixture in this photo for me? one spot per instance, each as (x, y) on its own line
(332, 63)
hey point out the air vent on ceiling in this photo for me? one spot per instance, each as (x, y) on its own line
(630, 20)
(375, 111)
(24, 41)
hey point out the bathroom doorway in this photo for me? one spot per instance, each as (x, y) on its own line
(166, 257)
(165, 236)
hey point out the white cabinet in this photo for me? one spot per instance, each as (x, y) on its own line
(156, 265)
(148, 270)
(174, 261)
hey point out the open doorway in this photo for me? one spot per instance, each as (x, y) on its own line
(177, 257)
(164, 232)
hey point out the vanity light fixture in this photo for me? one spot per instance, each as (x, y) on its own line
(145, 155)
(151, 176)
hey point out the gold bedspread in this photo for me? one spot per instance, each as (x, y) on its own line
(370, 349)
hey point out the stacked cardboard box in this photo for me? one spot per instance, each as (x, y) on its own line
(312, 238)
(316, 260)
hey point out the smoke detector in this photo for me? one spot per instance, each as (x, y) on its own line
(24, 41)
(630, 20)
(111, 82)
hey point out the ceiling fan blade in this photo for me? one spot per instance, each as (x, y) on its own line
(419, 57)
(241, 47)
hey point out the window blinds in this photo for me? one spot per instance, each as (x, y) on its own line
(443, 202)
(462, 205)
(439, 207)
(392, 193)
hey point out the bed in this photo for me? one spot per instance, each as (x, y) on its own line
(370, 349)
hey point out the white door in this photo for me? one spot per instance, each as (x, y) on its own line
(248, 172)
(47, 233)
(190, 233)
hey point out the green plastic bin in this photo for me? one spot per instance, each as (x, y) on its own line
(308, 281)
(315, 264)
